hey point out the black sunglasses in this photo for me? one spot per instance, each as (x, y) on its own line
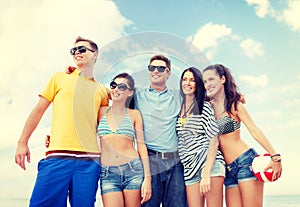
(121, 86)
(160, 69)
(81, 49)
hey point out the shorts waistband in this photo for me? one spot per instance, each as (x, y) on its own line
(69, 153)
(122, 166)
(163, 155)
(243, 156)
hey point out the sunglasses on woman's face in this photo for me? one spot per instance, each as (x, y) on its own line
(121, 86)
(160, 69)
(80, 49)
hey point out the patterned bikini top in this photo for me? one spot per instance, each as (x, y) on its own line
(227, 125)
(125, 128)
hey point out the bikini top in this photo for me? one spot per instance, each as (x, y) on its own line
(125, 128)
(227, 125)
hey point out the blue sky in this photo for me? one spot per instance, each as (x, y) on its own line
(259, 40)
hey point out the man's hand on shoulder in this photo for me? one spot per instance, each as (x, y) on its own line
(70, 69)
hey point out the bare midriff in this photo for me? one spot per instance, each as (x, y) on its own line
(232, 146)
(117, 149)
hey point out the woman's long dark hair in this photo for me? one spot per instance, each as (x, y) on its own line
(130, 100)
(199, 92)
(231, 90)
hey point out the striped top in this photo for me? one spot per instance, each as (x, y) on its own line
(125, 128)
(194, 138)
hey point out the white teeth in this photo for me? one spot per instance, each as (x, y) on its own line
(116, 94)
(188, 87)
(210, 89)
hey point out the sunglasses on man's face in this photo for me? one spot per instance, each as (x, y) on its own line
(160, 69)
(80, 49)
(121, 86)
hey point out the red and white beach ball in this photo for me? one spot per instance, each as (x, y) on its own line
(258, 165)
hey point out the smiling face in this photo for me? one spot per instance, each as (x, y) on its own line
(159, 79)
(121, 95)
(188, 83)
(213, 83)
(88, 57)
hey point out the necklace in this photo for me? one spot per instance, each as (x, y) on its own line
(183, 118)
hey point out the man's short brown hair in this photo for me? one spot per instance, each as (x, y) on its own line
(163, 58)
(92, 43)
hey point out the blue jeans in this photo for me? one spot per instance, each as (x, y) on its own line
(61, 177)
(128, 176)
(168, 186)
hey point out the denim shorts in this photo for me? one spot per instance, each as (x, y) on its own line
(218, 169)
(128, 176)
(240, 169)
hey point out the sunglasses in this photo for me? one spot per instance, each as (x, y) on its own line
(81, 49)
(121, 86)
(160, 69)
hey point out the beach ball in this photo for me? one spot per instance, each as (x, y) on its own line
(258, 165)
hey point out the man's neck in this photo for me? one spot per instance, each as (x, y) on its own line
(86, 72)
(158, 88)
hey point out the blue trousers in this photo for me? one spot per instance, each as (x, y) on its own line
(168, 186)
(59, 178)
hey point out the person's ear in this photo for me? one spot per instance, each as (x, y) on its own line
(223, 79)
(130, 93)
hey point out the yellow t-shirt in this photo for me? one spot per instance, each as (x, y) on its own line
(76, 101)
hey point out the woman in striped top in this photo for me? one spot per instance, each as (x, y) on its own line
(204, 166)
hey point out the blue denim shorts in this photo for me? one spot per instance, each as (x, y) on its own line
(218, 169)
(240, 169)
(128, 176)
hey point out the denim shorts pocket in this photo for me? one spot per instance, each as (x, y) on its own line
(136, 166)
(247, 161)
(104, 173)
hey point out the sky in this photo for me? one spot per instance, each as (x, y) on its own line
(259, 40)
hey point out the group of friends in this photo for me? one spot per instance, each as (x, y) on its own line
(158, 146)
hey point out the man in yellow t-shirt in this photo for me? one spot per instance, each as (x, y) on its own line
(71, 166)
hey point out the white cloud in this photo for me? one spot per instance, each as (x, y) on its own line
(262, 7)
(292, 103)
(290, 124)
(35, 38)
(252, 48)
(255, 81)
(293, 88)
(209, 36)
(291, 15)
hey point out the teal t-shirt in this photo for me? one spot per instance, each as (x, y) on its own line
(159, 111)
